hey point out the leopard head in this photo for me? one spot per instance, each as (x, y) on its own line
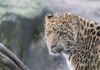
(60, 32)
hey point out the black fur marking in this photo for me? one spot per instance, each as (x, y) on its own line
(98, 27)
(91, 25)
(93, 33)
(87, 24)
(85, 32)
(91, 30)
(82, 27)
(98, 33)
(84, 22)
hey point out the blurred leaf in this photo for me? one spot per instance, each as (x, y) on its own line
(26, 8)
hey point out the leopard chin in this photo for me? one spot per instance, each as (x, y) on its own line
(55, 51)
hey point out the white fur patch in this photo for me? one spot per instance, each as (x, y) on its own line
(68, 62)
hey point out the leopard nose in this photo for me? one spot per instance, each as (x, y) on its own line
(53, 46)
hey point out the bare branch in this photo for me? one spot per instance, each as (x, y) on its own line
(10, 59)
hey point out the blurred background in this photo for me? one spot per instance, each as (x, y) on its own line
(22, 28)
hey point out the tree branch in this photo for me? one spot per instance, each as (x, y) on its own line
(10, 59)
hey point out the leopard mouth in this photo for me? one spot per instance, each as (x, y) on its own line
(57, 50)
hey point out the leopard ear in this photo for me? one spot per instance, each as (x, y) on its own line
(49, 16)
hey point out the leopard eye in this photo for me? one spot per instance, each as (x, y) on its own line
(61, 33)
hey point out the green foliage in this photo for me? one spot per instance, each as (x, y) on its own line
(26, 8)
(6, 33)
(36, 31)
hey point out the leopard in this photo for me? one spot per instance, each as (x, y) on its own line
(75, 37)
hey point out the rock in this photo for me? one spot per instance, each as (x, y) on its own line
(17, 33)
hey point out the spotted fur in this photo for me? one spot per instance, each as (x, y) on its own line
(76, 37)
